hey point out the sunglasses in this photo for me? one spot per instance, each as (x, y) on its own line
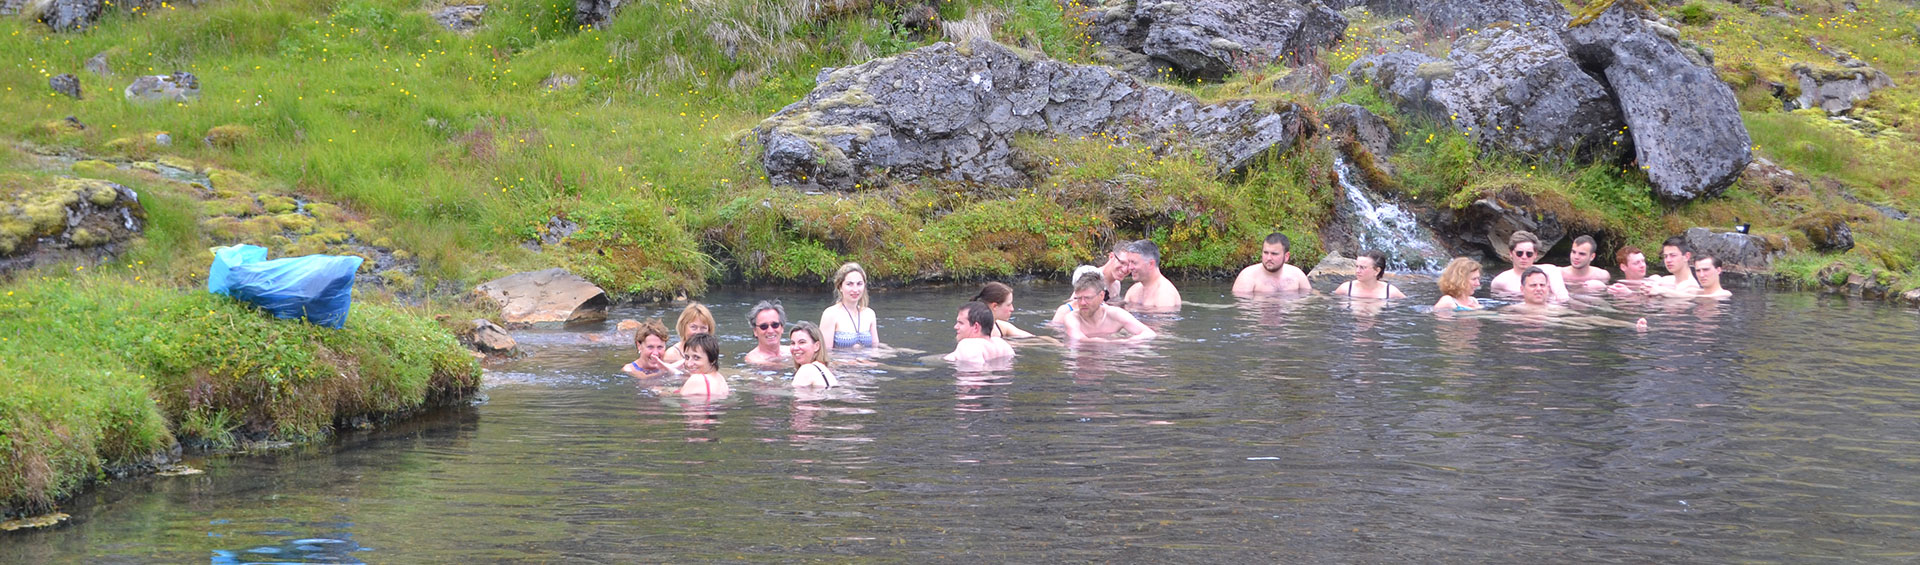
(1524, 254)
(768, 326)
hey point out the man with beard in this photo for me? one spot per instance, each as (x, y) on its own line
(1272, 274)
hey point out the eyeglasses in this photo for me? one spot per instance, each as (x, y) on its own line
(769, 326)
(1524, 253)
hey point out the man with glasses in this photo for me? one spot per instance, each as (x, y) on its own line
(1094, 320)
(1525, 248)
(769, 322)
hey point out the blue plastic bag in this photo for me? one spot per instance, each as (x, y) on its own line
(225, 259)
(316, 287)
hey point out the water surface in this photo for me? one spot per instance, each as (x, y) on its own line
(1772, 427)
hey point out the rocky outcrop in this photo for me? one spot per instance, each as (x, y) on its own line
(1486, 224)
(595, 13)
(552, 295)
(49, 221)
(460, 18)
(1209, 39)
(951, 112)
(488, 337)
(65, 15)
(1453, 15)
(65, 83)
(1836, 91)
(1364, 127)
(1516, 89)
(1333, 266)
(1685, 122)
(1404, 78)
(1827, 232)
(181, 86)
(1736, 252)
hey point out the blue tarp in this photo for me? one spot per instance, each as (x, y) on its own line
(318, 288)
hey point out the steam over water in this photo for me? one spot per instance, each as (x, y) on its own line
(1774, 427)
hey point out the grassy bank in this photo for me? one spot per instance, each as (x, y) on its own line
(107, 371)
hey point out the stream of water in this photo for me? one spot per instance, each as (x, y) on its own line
(1383, 225)
(1775, 427)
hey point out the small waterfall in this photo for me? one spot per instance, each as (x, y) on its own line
(1389, 228)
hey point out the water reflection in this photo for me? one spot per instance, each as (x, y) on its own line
(1769, 427)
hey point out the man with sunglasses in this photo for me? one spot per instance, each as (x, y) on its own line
(1525, 249)
(769, 321)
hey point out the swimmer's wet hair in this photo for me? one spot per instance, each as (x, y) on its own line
(1379, 260)
(1524, 236)
(707, 344)
(1089, 278)
(1146, 249)
(978, 314)
(813, 333)
(1680, 243)
(1707, 256)
(994, 293)
(1280, 238)
(695, 312)
(651, 327)
(1588, 241)
(1532, 271)
(1457, 279)
(1620, 257)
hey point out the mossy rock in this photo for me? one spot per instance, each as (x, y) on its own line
(221, 228)
(306, 246)
(83, 237)
(395, 279)
(402, 255)
(93, 168)
(239, 207)
(182, 164)
(57, 128)
(148, 166)
(329, 213)
(275, 204)
(231, 180)
(228, 136)
(330, 237)
(295, 223)
(134, 146)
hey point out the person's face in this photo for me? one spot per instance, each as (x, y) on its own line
(1536, 288)
(1706, 272)
(1086, 301)
(1636, 266)
(1364, 269)
(697, 361)
(651, 348)
(1673, 259)
(1581, 256)
(852, 287)
(1273, 257)
(767, 326)
(697, 328)
(803, 347)
(1524, 255)
(1003, 310)
(963, 329)
(1129, 262)
(1473, 281)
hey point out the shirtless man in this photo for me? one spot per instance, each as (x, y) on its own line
(1093, 320)
(1706, 272)
(1535, 292)
(1526, 250)
(1151, 291)
(976, 347)
(1633, 270)
(1677, 258)
(1580, 272)
(1273, 274)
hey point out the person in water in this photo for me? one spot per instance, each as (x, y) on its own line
(849, 322)
(1368, 269)
(1678, 259)
(1060, 314)
(1116, 270)
(1580, 272)
(1526, 251)
(651, 340)
(1633, 270)
(999, 297)
(1457, 283)
(694, 319)
(1706, 272)
(703, 373)
(1151, 290)
(1094, 320)
(1272, 274)
(1537, 301)
(769, 322)
(811, 369)
(976, 347)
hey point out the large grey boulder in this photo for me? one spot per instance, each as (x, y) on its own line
(552, 295)
(1367, 129)
(1515, 88)
(1454, 15)
(1837, 90)
(1404, 78)
(952, 112)
(65, 15)
(1209, 39)
(1685, 122)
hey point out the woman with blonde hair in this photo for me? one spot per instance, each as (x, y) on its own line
(694, 319)
(849, 322)
(811, 368)
(1457, 283)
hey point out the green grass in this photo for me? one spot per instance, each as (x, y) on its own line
(107, 370)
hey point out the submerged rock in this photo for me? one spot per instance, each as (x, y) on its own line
(952, 112)
(552, 295)
(1837, 90)
(1685, 122)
